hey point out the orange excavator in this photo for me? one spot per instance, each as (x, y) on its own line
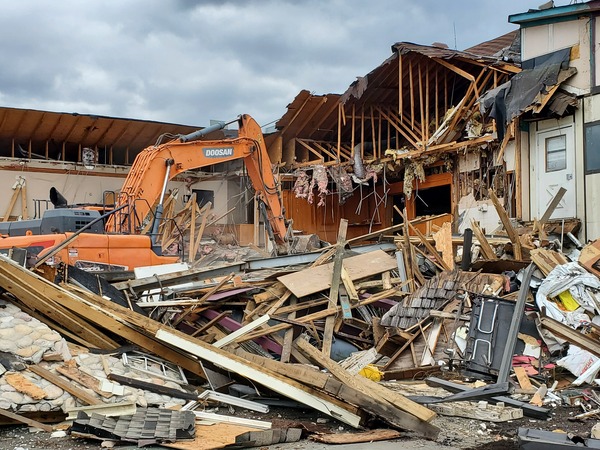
(111, 242)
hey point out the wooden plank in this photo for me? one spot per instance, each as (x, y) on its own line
(24, 386)
(326, 382)
(552, 206)
(275, 382)
(26, 421)
(431, 342)
(573, 336)
(538, 397)
(11, 204)
(546, 260)
(523, 379)
(64, 385)
(368, 387)
(210, 436)
(288, 338)
(356, 438)
(233, 337)
(335, 287)
(316, 279)
(276, 290)
(84, 379)
(192, 227)
(512, 234)
(349, 285)
(443, 243)
(486, 248)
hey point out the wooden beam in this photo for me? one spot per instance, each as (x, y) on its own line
(486, 248)
(552, 206)
(512, 234)
(369, 387)
(335, 286)
(571, 335)
(400, 87)
(457, 70)
(64, 385)
(412, 94)
(326, 382)
(254, 372)
(424, 241)
(26, 421)
(318, 315)
(422, 108)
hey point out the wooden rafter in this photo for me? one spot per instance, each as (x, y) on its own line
(457, 70)
(311, 150)
(397, 127)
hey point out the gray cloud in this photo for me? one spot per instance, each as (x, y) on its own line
(191, 61)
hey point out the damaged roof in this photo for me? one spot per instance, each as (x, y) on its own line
(24, 126)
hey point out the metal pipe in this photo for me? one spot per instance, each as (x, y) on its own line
(204, 131)
(159, 209)
(511, 340)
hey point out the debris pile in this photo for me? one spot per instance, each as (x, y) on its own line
(339, 330)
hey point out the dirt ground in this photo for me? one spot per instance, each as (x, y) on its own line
(457, 433)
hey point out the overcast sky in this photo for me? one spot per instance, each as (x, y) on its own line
(187, 62)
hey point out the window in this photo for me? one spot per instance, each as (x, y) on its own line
(592, 147)
(556, 153)
(203, 197)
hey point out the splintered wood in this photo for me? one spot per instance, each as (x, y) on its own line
(209, 330)
(395, 309)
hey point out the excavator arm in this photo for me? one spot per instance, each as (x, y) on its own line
(155, 166)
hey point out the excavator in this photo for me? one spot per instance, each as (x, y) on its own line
(87, 239)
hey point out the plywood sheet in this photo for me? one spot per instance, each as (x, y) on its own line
(315, 279)
(218, 435)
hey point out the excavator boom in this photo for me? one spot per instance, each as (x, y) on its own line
(120, 245)
(156, 165)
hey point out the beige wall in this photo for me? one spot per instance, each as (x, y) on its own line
(542, 39)
(591, 112)
(78, 186)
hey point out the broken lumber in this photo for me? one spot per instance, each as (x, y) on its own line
(365, 385)
(312, 377)
(316, 279)
(512, 234)
(335, 288)
(356, 438)
(26, 421)
(64, 385)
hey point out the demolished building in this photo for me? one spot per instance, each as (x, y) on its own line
(431, 264)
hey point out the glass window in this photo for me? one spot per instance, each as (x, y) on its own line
(556, 153)
(592, 147)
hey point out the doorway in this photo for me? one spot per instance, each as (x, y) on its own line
(555, 166)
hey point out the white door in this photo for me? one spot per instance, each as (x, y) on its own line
(555, 166)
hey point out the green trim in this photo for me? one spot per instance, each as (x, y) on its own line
(551, 13)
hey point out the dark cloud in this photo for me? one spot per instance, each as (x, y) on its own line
(187, 61)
